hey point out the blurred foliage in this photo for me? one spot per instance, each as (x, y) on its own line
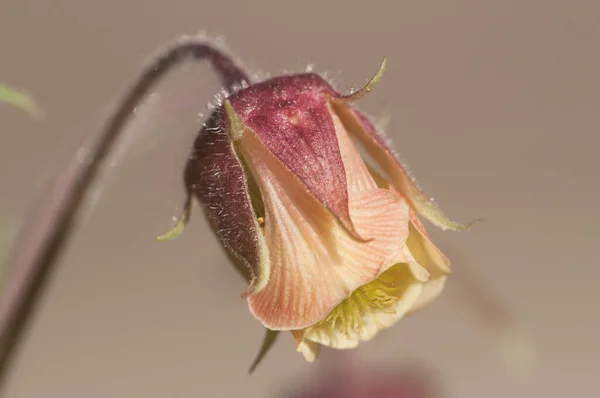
(19, 99)
(341, 374)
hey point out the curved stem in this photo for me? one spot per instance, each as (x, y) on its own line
(51, 223)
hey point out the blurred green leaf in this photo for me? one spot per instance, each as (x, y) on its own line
(23, 101)
(19, 99)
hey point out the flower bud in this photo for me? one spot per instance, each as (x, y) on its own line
(332, 247)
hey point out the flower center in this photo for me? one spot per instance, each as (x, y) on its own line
(381, 295)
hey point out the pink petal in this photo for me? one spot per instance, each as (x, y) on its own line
(430, 291)
(360, 127)
(315, 263)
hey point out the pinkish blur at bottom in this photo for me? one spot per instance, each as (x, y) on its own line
(341, 377)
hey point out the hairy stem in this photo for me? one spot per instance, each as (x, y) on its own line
(48, 228)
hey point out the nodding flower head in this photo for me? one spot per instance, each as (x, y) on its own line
(331, 245)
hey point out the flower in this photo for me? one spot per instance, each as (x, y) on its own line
(330, 242)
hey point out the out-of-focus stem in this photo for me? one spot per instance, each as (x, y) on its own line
(512, 342)
(50, 224)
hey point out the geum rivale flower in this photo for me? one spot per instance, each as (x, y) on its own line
(332, 246)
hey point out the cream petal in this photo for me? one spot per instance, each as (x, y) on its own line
(431, 290)
(430, 258)
(417, 270)
(309, 349)
(315, 263)
(424, 251)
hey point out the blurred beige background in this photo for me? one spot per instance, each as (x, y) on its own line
(493, 104)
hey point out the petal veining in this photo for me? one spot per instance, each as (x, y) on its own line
(315, 262)
(291, 117)
(360, 127)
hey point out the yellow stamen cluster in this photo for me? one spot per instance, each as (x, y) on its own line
(381, 295)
